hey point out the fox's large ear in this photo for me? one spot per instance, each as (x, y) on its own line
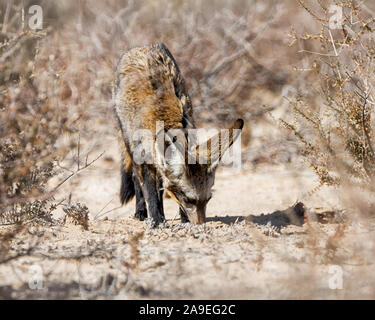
(171, 150)
(216, 146)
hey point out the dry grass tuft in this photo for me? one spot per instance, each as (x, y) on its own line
(77, 214)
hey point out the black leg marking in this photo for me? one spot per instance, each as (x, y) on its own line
(183, 216)
(140, 205)
(161, 192)
(152, 193)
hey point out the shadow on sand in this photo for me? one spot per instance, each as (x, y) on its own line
(293, 215)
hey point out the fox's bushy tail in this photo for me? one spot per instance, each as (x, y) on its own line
(127, 190)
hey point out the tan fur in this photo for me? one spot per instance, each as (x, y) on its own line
(146, 93)
(126, 159)
(145, 83)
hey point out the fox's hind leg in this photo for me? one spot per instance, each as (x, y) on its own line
(140, 205)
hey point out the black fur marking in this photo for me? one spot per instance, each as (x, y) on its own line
(151, 192)
(140, 206)
(183, 216)
(161, 192)
(127, 190)
(184, 120)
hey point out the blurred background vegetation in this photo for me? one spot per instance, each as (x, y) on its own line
(303, 87)
(270, 62)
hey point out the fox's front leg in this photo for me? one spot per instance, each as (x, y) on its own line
(153, 197)
(183, 216)
(161, 192)
(140, 205)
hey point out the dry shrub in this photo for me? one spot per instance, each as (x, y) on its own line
(78, 214)
(334, 122)
(32, 121)
(332, 116)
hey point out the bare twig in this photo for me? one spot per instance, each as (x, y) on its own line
(87, 164)
(98, 215)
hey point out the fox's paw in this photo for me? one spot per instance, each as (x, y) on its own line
(154, 223)
(141, 214)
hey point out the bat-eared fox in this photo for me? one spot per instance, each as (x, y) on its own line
(155, 115)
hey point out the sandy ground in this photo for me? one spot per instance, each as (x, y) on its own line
(250, 247)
